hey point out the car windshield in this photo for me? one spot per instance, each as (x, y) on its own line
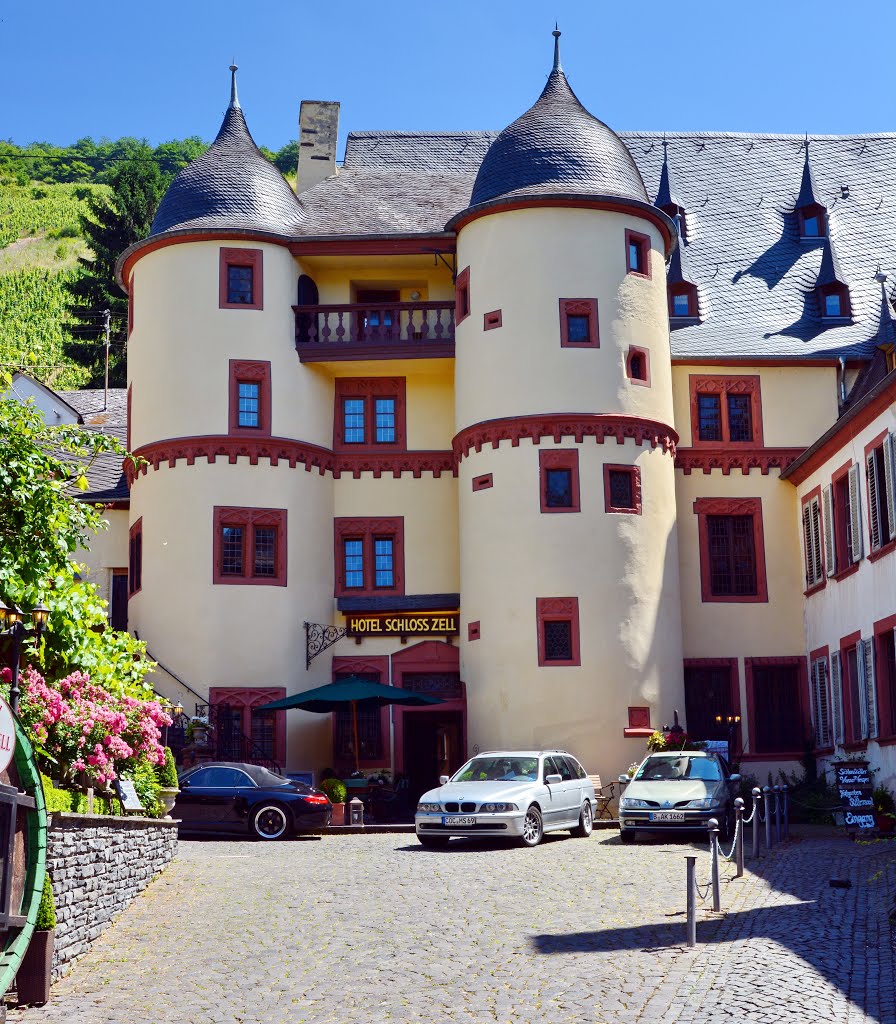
(673, 769)
(505, 768)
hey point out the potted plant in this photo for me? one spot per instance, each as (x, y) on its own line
(197, 731)
(884, 809)
(33, 977)
(336, 792)
(167, 776)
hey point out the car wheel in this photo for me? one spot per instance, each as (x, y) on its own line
(533, 828)
(270, 821)
(726, 826)
(586, 822)
(433, 842)
(627, 837)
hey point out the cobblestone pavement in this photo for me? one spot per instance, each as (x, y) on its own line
(374, 929)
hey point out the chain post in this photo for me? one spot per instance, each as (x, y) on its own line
(692, 899)
(739, 837)
(786, 799)
(777, 814)
(757, 803)
(713, 827)
(767, 801)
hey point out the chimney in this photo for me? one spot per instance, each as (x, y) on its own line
(318, 124)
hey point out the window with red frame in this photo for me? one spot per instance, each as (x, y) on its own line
(559, 470)
(726, 410)
(776, 724)
(622, 489)
(812, 546)
(880, 476)
(732, 556)
(250, 397)
(842, 520)
(135, 557)
(637, 366)
(834, 301)
(370, 414)
(682, 300)
(813, 221)
(369, 556)
(710, 689)
(637, 253)
(852, 697)
(368, 722)
(558, 631)
(240, 285)
(885, 639)
(250, 546)
(578, 323)
(462, 296)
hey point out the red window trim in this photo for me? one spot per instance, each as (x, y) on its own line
(474, 630)
(135, 558)
(874, 443)
(635, 473)
(733, 667)
(559, 458)
(483, 482)
(130, 305)
(704, 507)
(845, 566)
(250, 371)
(245, 699)
(639, 726)
(127, 429)
(643, 241)
(370, 388)
(822, 583)
(690, 290)
(881, 628)
(636, 350)
(249, 517)
(462, 305)
(845, 304)
(579, 307)
(343, 666)
(558, 609)
(723, 385)
(492, 320)
(241, 258)
(366, 529)
(799, 661)
(813, 210)
(847, 643)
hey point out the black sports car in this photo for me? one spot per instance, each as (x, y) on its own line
(226, 796)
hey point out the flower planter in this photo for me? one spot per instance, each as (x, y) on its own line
(33, 977)
(885, 822)
(168, 796)
(338, 814)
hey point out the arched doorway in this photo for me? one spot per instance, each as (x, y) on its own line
(432, 741)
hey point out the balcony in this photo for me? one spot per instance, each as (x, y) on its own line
(391, 330)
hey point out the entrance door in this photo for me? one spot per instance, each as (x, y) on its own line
(432, 747)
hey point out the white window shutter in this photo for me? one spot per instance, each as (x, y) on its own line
(816, 540)
(808, 545)
(837, 696)
(890, 481)
(870, 689)
(873, 501)
(855, 514)
(830, 554)
(862, 688)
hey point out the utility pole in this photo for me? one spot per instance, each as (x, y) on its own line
(107, 315)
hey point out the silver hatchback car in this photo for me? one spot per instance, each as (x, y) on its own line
(513, 794)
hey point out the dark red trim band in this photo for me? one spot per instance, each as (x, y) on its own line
(726, 459)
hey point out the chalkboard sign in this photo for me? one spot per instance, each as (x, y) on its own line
(853, 781)
(127, 794)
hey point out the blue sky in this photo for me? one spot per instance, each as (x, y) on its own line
(159, 69)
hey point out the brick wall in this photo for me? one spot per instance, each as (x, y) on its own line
(98, 865)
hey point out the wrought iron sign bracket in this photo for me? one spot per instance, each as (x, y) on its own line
(319, 637)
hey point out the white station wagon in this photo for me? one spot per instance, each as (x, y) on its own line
(509, 794)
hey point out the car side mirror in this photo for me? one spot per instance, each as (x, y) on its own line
(624, 780)
(443, 780)
(185, 784)
(552, 780)
(735, 777)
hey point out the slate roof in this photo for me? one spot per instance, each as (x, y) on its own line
(105, 477)
(230, 186)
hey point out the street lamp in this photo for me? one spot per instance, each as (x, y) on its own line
(732, 721)
(12, 625)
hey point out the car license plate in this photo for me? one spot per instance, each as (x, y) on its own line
(667, 816)
(455, 821)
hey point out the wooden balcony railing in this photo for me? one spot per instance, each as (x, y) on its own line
(379, 330)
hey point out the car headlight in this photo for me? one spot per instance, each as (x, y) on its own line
(424, 808)
(499, 807)
(704, 803)
(631, 802)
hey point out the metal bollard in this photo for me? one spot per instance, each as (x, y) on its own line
(692, 900)
(777, 814)
(757, 804)
(784, 794)
(767, 801)
(713, 827)
(739, 837)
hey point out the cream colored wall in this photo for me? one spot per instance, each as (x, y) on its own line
(855, 603)
(335, 283)
(799, 403)
(523, 262)
(108, 550)
(181, 346)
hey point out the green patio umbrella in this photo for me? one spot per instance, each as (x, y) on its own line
(353, 690)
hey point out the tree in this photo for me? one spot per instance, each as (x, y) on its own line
(43, 524)
(110, 226)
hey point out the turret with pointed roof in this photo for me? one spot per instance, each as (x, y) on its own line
(666, 195)
(231, 186)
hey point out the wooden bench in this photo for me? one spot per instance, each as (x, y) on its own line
(603, 794)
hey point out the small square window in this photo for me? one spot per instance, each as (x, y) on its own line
(240, 279)
(385, 420)
(709, 417)
(559, 472)
(558, 641)
(558, 631)
(578, 329)
(622, 489)
(354, 563)
(810, 227)
(832, 306)
(638, 366)
(558, 488)
(353, 420)
(637, 253)
(681, 304)
(578, 323)
(249, 393)
(462, 296)
(240, 282)
(250, 546)
(250, 397)
(265, 551)
(369, 413)
(369, 555)
(231, 551)
(383, 564)
(740, 417)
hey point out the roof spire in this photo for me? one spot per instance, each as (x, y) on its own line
(665, 196)
(556, 34)
(807, 185)
(234, 99)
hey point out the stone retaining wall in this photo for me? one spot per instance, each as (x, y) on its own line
(98, 865)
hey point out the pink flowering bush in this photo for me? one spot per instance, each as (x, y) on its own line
(92, 734)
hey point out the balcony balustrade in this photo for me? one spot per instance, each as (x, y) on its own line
(385, 330)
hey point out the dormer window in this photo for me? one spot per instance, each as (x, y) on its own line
(834, 300)
(682, 301)
(813, 222)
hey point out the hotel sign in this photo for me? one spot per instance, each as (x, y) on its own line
(403, 624)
